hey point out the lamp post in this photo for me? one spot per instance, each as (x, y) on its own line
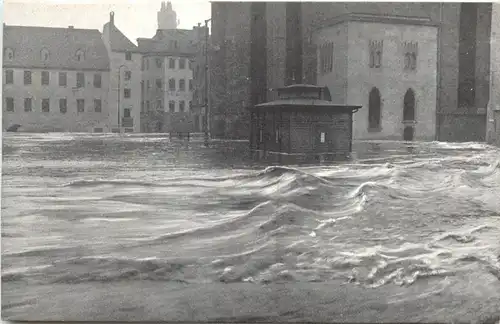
(205, 124)
(119, 96)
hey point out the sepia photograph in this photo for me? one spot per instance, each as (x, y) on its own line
(250, 162)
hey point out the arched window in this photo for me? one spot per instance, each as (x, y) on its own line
(80, 55)
(413, 61)
(9, 53)
(409, 106)
(407, 61)
(44, 54)
(374, 113)
(378, 58)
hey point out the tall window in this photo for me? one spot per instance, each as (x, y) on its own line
(171, 106)
(80, 105)
(374, 113)
(182, 85)
(128, 56)
(158, 62)
(158, 84)
(44, 54)
(27, 105)
(159, 105)
(375, 50)
(63, 105)
(171, 84)
(97, 105)
(126, 113)
(63, 79)
(9, 53)
(97, 80)
(410, 57)
(27, 77)
(409, 106)
(45, 78)
(182, 105)
(9, 104)
(80, 79)
(182, 63)
(128, 75)
(45, 105)
(126, 93)
(171, 63)
(9, 77)
(79, 55)
(148, 106)
(326, 58)
(190, 84)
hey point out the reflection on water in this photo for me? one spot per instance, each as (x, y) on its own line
(95, 209)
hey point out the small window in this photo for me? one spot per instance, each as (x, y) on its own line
(9, 77)
(182, 64)
(158, 62)
(9, 104)
(126, 93)
(98, 130)
(182, 85)
(27, 77)
(45, 105)
(44, 55)
(322, 137)
(63, 79)
(45, 78)
(80, 105)
(158, 84)
(171, 84)
(128, 75)
(9, 53)
(27, 105)
(79, 55)
(126, 113)
(80, 79)
(159, 105)
(97, 80)
(147, 105)
(190, 84)
(97, 105)
(128, 56)
(182, 105)
(63, 105)
(171, 106)
(171, 63)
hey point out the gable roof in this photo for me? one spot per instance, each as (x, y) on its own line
(62, 44)
(118, 41)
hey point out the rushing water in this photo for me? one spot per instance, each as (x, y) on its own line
(136, 220)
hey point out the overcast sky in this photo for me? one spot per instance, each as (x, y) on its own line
(135, 18)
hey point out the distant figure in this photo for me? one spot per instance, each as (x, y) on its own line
(13, 128)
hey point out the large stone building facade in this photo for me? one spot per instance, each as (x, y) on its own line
(55, 80)
(282, 38)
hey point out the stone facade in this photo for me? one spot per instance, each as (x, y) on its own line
(493, 115)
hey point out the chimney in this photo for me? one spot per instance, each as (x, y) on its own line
(112, 18)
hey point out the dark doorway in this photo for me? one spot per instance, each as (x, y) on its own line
(409, 106)
(408, 133)
(159, 126)
(374, 114)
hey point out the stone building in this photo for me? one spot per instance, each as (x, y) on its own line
(493, 115)
(167, 77)
(283, 49)
(55, 79)
(125, 80)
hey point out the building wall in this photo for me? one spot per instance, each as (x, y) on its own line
(276, 47)
(493, 115)
(177, 74)
(54, 120)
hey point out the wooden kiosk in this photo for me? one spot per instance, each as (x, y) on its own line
(303, 121)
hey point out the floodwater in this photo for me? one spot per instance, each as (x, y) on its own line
(109, 227)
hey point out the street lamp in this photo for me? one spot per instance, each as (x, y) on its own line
(205, 124)
(119, 95)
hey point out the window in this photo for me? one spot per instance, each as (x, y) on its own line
(261, 136)
(159, 105)
(9, 77)
(375, 50)
(9, 104)
(9, 53)
(80, 105)
(80, 79)
(44, 55)
(27, 104)
(182, 103)
(171, 84)
(63, 105)
(79, 55)
(128, 75)
(326, 58)
(45, 105)
(97, 105)
(182, 64)
(148, 85)
(128, 56)
(158, 62)
(143, 64)
(171, 106)
(62, 79)
(97, 80)
(190, 105)
(158, 83)
(182, 85)
(147, 105)
(98, 130)
(45, 78)
(126, 93)
(171, 63)
(321, 137)
(142, 106)
(147, 64)
(126, 113)
(190, 84)
(27, 77)
(374, 111)
(175, 44)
